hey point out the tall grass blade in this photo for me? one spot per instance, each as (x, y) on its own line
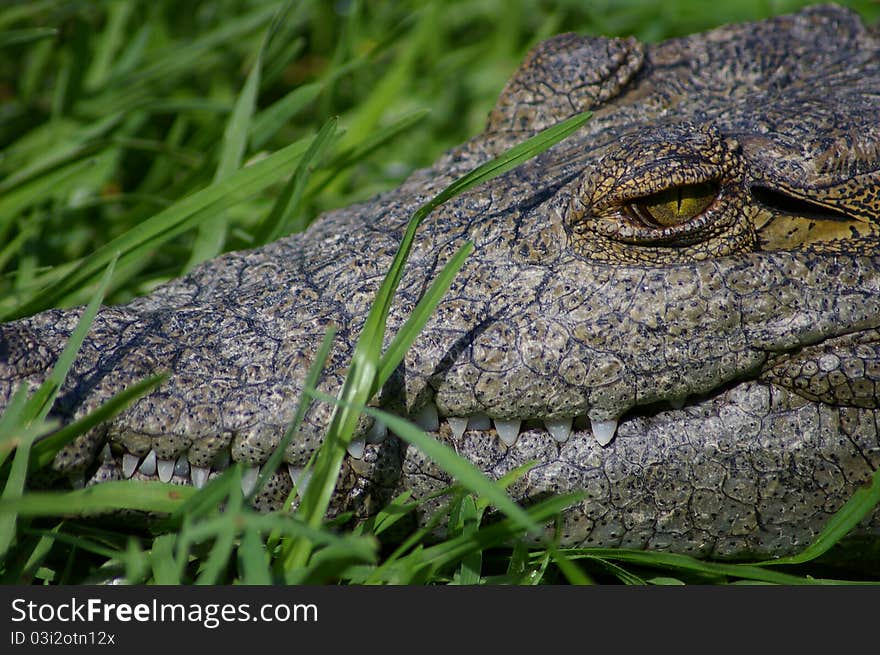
(860, 505)
(40, 403)
(43, 451)
(167, 570)
(157, 497)
(212, 233)
(472, 563)
(304, 402)
(420, 315)
(253, 559)
(17, 37)
(360, 383)
(282, 219)
(461, 469)
(168, 223)
(688, 564)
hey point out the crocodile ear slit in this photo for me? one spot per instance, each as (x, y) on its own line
(792, 219)
(563, 76)
(787, 203)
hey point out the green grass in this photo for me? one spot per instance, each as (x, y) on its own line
(133, 134)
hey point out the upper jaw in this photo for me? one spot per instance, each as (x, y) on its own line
(619, 339)
(596, 341)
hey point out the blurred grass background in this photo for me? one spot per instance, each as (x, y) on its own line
(114, 111)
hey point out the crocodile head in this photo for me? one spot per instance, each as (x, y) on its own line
(675, 310)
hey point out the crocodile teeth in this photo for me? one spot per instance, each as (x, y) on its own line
(249, 479)
(479, 422)
(508, 431)
(300, 477)
(377, 432)
(559, 429)
(427, 418)
(457, 425)
(129, 464)
(356, 447)
(181, 466)
(199, 476)
(604, 431)
(106, 455)
(165, 468)
(148, 466)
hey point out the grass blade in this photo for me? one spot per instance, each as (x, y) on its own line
(15, 37)
(860, 505)
(461, 469)
(280, 220)
(166, 568)
(157, 497)
(472, 563)
(572, 573)
(253, 559)
(212, 233)
(311, 380)
(270, 120)
(11, 421)
(360, 383)
(13, 490)
(421, 313)
(685, 563)
(40, 403)
(168, 223)
(44, 450)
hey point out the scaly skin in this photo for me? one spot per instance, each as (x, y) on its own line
(734, 347)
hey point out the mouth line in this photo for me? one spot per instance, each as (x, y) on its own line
(179, 470)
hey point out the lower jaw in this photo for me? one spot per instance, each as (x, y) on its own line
(682, 480)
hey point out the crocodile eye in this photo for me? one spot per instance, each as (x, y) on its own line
(673, 206)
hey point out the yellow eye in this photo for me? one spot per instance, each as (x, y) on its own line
(674, 206)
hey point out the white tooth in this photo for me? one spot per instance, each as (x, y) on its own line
(249, 479)
(356, 447)
(165, 467)
(377, 432)
(148, 466)
(603, 431)
(457, 425)
(181, 466)
(559, 429)
(129, 464)
(106, 455)
(427, 418)
(508, 431)
(199, 475)
(479, 422)
(300, 477)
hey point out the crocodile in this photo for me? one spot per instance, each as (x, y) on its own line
(675, 310)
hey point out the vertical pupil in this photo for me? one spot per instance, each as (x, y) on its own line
(676, 205)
